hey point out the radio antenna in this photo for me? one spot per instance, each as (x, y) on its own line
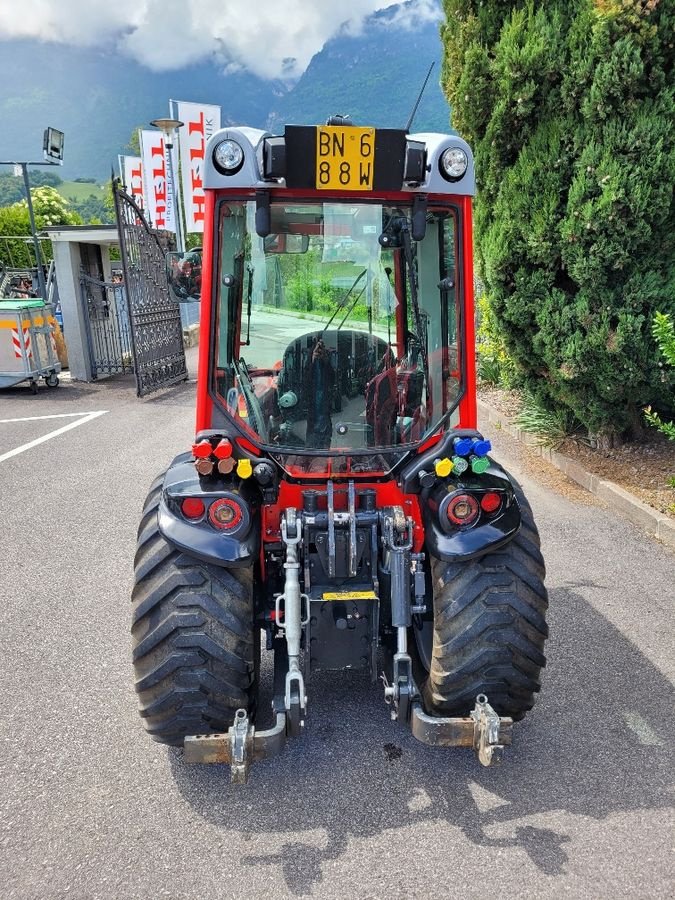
(417, 102)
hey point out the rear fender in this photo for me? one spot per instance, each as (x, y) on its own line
(453, 543)
(447, 541)
(200, 539)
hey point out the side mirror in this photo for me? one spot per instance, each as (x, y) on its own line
(184, 275)
(286, 243)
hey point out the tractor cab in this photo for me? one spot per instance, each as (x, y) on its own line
(337, 495)
(349, 347)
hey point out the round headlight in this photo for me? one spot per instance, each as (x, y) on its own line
(454, 162)
(228, 157)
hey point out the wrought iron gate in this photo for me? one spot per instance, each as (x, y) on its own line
(156, 329)
(108, 328)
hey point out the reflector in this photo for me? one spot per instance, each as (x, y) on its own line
(491, 501)
(193, 507)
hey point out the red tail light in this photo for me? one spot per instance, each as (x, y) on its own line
(225, 514)
(463, 509)
(193, 508)
(491, 501)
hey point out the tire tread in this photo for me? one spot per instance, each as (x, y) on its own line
(490, 627)
(193, 637)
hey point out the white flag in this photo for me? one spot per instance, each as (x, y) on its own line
(200, 121)
(157, 181)
(132, 176)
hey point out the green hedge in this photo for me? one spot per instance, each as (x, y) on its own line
(570, 107)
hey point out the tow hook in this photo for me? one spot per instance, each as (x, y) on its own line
(483, 730)
(239, 747)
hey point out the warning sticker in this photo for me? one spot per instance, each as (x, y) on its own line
(350, 595)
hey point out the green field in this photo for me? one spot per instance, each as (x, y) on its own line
(77, 191)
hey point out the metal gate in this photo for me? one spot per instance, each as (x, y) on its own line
(156, 329)
(108, 328)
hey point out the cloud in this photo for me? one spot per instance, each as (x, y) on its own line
(271, 38)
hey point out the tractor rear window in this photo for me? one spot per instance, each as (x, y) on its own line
(337, 332)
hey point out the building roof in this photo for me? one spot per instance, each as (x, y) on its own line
(82, 234)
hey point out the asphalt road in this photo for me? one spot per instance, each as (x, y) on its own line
(355, 808)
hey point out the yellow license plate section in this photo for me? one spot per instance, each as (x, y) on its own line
(350, 595)
(345, 158)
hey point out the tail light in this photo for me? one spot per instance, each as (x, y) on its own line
(490, 502)
(193, 508)
(225, 514)
(462, 509)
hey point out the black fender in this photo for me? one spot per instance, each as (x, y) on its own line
(239, 547)
(443, 539)
(453, 543)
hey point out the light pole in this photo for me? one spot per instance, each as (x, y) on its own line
(53, 152)
(169, 127)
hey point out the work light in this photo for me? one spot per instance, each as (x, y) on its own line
(228, 157)
(453, 163)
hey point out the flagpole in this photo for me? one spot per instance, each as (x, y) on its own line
(177, 183)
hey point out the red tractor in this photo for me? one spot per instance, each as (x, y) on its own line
(337, 498)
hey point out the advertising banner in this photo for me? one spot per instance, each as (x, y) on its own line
(157, 180)
(200, 121)
(132, 176)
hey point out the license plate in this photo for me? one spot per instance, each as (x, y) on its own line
(345, 158)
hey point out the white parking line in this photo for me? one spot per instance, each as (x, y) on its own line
(84, 417)
(645, 734)
(37, 418)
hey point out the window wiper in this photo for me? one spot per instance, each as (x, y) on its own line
(240, 367)
(343, 302)
(249, 294)
(353, 304)
(420, 324)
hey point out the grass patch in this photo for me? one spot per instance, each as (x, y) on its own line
(550, 428)
(77, 191)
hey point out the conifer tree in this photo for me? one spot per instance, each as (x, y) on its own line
(570, 107)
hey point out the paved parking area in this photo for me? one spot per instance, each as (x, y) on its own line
(355, 808)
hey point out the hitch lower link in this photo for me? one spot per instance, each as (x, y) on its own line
(242, 744)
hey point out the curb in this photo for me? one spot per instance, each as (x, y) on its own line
(619, 499)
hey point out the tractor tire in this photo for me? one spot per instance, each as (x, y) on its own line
(489, 627)
(195, 646)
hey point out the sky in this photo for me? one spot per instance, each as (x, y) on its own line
(270, 38)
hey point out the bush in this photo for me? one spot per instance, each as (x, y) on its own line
(664, 332)
(570, 108)
(551, 427)
(495, 366)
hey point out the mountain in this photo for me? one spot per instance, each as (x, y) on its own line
(375, 77)
(98, 97)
